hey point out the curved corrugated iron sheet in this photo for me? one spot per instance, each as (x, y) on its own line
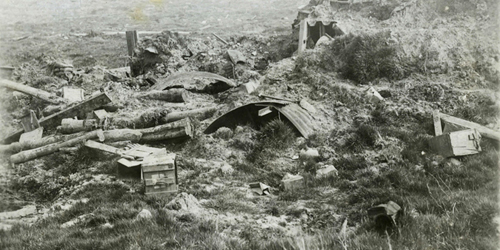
(296, 116)
(300, 118)
(188, 75)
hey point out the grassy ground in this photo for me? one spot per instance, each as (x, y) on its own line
(381, 152)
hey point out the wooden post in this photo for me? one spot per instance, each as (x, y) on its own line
(438, 130)
(132, 39)
(303, 35)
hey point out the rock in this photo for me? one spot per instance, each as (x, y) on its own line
(310, 153)
(323, 41)
(454, 162)
(326, 171)
(373, 96)
(107, 226)
(292, 182)
(250, 86)
(226, 169)
(236, 56)
(144, 214)
(385, 93)
(223, 133)
(185, 202)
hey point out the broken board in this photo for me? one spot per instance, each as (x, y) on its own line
(73, 95)
(79, 110)
(458, 143)
(32, 136)
(455, 123)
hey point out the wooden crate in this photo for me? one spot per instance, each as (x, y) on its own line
(159, 172)
(458, 143)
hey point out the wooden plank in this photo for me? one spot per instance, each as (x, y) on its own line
(79, 110)
(32, 136)
(73, 94)
(102, 147)
(30, 122)
(132, 39)
(437, 123)
(484, 131)
(303, 36)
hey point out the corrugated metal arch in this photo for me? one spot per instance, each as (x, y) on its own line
(296, 116)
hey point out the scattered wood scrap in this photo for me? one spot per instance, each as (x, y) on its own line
(198, 113)
(176, 130)
(31, 154)
(171, 95)
(457, 123)
(40, 94)
(79, 110)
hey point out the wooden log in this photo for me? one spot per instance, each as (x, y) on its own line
(17, 146)
(177, 129)
(172, 95)
(72, 126)
(198, 113)
(132, 135)
(484, 131)
(31, 154)
(40, 94)
(80, 110)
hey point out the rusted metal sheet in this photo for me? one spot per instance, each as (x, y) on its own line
(291, 113)
(189, 75)
(299, 118)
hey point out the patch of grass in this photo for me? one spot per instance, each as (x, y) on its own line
(366, 58)
(275, 137)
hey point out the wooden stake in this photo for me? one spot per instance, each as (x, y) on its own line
(132, 39)
(438, 130)
(220, 39)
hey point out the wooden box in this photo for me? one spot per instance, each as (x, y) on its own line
(458, 143)
(159, 172)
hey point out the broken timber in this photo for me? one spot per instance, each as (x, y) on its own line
(198, 113)
(43, 95)
(51, 148)
(171, 95)
(175, 130)
(79, 110)
(461, 123)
